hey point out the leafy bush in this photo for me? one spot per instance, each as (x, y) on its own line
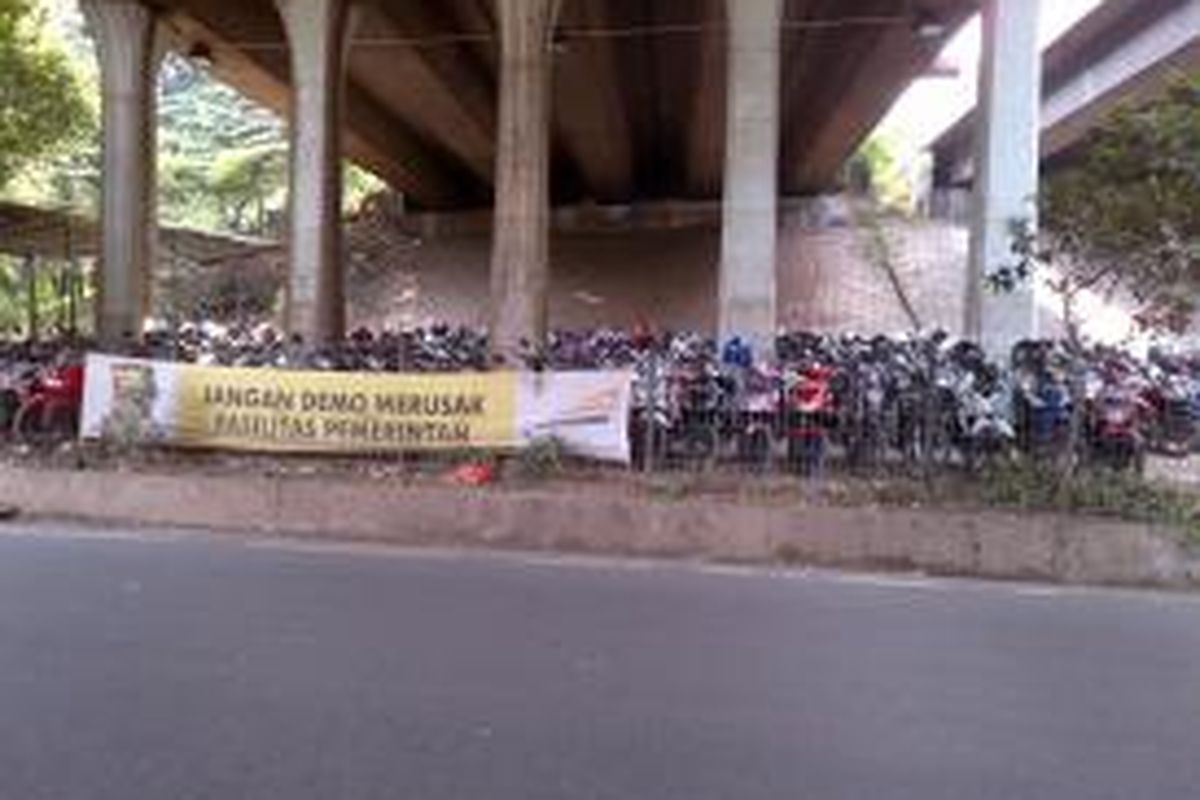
(541, 460)
(1099, 492)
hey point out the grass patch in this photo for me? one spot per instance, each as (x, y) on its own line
(544, 459)
(1096, 492)
(671, 487)
(1025, 486)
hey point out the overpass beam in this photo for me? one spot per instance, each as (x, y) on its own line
(1006, 181)
(520, 268)
(317, 32)
(750, 216)
(126, 35)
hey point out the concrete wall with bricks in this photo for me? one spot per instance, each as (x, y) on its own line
(833, 267)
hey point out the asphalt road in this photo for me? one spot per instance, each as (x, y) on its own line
(197, 667)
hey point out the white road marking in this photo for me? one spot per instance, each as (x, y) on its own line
(909, 581)
(1034, 590)
(318, 547)
(87, 533)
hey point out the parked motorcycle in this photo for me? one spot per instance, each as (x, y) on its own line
(811, 410)
(51, 404)
(1114, 431)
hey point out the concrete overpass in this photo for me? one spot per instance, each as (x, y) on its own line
(1124, 52)
(537, 103)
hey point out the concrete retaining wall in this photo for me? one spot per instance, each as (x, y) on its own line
(668, 276)
(993, 545)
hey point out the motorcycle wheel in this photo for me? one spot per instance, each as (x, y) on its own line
(29, 423)
(10, 404)
(986, 452)
(1122, 457)
(647, 444)
(806, 454)
(700, 447)
(754, 449)
(60, 422)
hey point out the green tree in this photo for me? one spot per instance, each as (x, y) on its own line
(222, 159)
(249, 185)
(876, 170)
(1126, 216)
(43, 108)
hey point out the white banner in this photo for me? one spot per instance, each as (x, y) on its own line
(588, 412)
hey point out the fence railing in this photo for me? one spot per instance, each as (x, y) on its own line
(822, 405)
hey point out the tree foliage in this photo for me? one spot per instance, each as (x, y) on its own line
(222, 159)
(1126, 216)
(876, 170)
(42, 103)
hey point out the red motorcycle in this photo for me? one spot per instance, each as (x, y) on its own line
(811, 415)
(1115, 431)
(50, 404)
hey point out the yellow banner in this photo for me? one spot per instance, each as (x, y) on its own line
(136, 401)
(256, 409)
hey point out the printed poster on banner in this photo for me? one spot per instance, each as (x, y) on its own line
(587, 411)
(268, 410)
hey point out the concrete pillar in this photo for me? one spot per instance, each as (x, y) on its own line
(521, 237)
(747, 304)
(317, 32)
(126, 36)
(1006, 170)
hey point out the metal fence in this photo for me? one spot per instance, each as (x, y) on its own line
(813, 421)
(821, 405)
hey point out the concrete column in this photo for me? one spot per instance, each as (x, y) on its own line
(317, 33)
(1006, 169)
(521, 235)
(750, 216)
(126, 33)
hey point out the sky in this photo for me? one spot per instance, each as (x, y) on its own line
(933, 104)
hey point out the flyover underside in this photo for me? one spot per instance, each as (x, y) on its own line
(639, 89)
(1125, 54)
